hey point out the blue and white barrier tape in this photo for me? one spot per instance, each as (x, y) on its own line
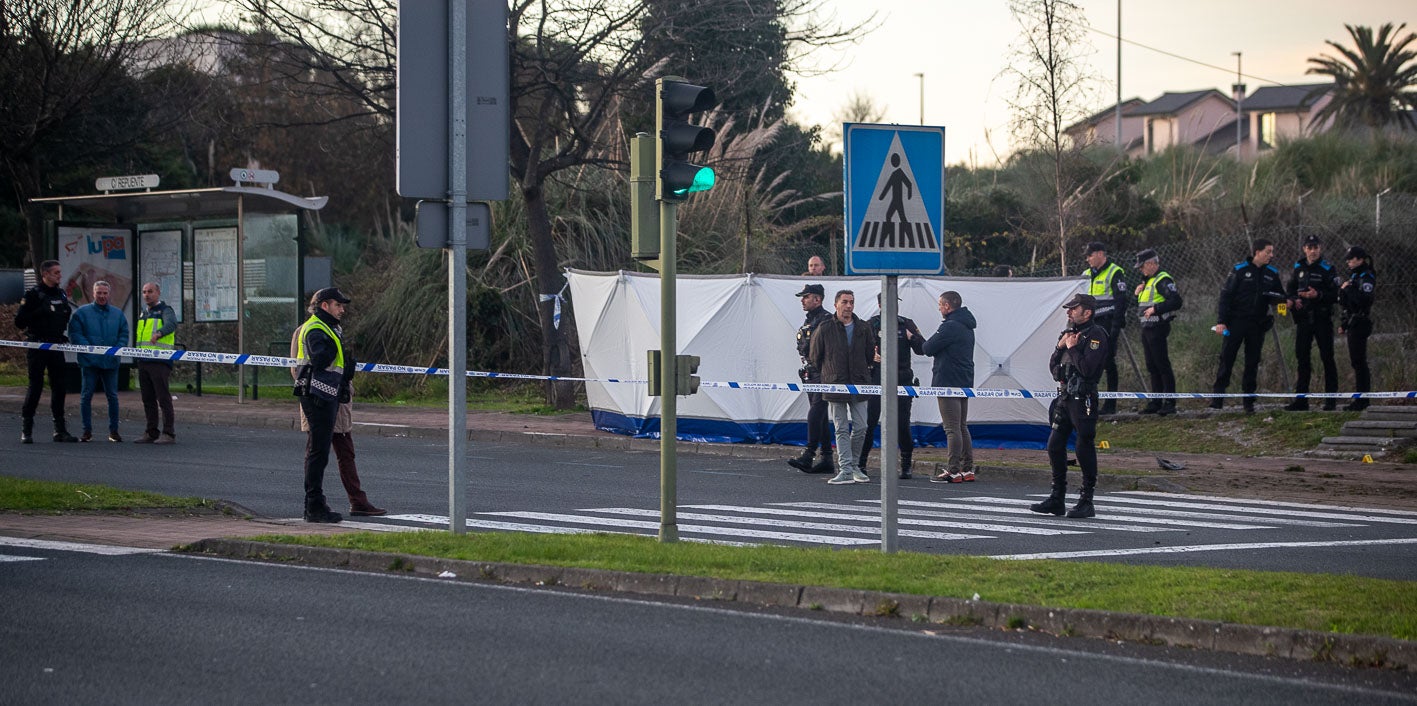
(271, 361)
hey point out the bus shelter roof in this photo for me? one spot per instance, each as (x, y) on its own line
(181, 204)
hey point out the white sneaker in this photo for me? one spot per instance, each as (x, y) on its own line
(859, 477)
(843, 478)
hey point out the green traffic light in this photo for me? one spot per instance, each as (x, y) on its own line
(703, 181)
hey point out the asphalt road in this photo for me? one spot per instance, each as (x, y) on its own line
(162, 628)
(556, 489)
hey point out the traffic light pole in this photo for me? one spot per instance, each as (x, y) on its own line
(668, 380)
(457, 266)
(890, 414)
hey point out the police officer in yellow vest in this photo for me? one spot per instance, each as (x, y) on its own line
(157, 326)
(1106, 284)
(321, 383)
(1157, 303)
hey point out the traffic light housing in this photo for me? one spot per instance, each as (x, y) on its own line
(685, 381)
(676, 139)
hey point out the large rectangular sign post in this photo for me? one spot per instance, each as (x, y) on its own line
(894, 181)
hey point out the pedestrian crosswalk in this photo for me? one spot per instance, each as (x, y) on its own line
(971, 522)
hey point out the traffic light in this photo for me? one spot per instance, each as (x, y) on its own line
(686, 382)
(674, 101)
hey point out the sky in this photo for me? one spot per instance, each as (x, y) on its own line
(962, 49)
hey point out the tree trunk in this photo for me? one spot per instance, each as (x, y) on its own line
(555, 346)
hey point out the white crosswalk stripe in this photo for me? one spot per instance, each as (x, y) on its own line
(103, 549)
(698, 529)
(950, 510)
(1268, 503)
(4, 558)
(823, 526)
(990, 527)
(1111, 508)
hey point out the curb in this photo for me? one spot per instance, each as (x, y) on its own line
(1306, 645)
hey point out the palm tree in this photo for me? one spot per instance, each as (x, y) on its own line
(1375, 83)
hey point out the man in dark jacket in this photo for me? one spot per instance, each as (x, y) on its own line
(952, 347)
(908, 339)
(1158, 300)
(44, 317)
(818, 431)
(1355, 297)
(842, 349)
(1076, 364)
(1312, 292)
(1243, 318)
(322, 383)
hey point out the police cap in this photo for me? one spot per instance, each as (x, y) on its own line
(1086, 301)
(1093, 247)
(330, 294)
(1146, 255)
(1356, 251)
(816, 289)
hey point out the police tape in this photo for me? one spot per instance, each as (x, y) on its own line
(271, 361)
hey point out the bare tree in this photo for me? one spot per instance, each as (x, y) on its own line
(56, 58)
(1054, 89)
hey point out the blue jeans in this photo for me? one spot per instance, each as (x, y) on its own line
(110, 390)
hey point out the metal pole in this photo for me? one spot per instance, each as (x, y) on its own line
(890, 367)
(240, 295)
(1378, 214)
(457, 265)
(1239, 99)
(1118, 110)
(669, 389)
(922, 97)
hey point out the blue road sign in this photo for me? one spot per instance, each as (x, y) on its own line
(895, 199)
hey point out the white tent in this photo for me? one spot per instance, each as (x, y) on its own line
(743, 328)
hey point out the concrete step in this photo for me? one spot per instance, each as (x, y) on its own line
(1407, 409)
(1346, 455)
(1364, 427)
(1371, 416)
(1379, 442)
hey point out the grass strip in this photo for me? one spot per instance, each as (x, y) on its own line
(1322, 602)
(20, 494)
(1273, 433)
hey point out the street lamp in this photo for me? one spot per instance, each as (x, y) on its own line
(1239, 88)
(922, 97)
(1378, 213)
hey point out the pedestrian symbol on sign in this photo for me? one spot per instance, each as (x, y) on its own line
(896, 220)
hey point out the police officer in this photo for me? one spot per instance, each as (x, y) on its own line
(1107, 285)
(1158, 300)
(1076, 364)
(1355, 297)
(157, 329)
(1312, 292)
(818, 431)
(908, 339)
(1243, 317)
(44, 317)
(322, 383)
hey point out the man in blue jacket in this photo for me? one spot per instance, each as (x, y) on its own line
(98, 324)
(952, 347)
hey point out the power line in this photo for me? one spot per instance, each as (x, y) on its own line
(1178, 56)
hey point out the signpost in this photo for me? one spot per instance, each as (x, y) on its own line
(125, 183)
(895, 216)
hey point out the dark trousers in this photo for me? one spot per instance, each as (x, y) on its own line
(321, 416)
(818, 426)
(39, 363)
(1068, 415)
(1251, 336)
(1307, 333)
(152, 381)
(1358, 331)
(1110, 367)
(1158, 358)
(343, 445)
(903, 440)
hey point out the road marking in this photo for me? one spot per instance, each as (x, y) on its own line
(104, 549)
(538, 529)
(1109, 506)
(823, 526)
(4, 558)
(698, 529)
(1270, 503)
(866, 517)
(1283, 512)
(989, 514)
(1206, 548)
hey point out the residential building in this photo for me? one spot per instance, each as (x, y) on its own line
(1101, 129)
(1277, 113)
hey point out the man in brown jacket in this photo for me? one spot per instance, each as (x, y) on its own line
(843, 349)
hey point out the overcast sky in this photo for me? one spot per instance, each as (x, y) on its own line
(961, 48)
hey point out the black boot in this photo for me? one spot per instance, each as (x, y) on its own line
(1249, 405)
(804, 462)
(27, 430)
(1217, 403)
(61, 433)
(1298, 405)
(1109, 406)
(1153, 407)
(1054, 505)
(1330, 404)
(321, 513)
(1357, 405)
(1168, 407)
(905, 465)
(1084, 506)
(824, 464)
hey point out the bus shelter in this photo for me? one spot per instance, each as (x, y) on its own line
(229, 260)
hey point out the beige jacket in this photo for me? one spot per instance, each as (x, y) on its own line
(344, 418)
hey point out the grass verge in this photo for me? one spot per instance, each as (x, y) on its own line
(1342, 604)
(18, 494)
(1272, 433)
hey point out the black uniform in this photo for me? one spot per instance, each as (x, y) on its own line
(818, 428)
(1113, 298)
(1077, 371)
(1244, 309)
(1155, 330)
(1356, 322)
(312, 386)
(905, 375)
(44, 317)
(1313, 320)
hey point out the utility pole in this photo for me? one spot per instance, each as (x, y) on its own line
(922, 97)
(1239, 88)
(1118, 111)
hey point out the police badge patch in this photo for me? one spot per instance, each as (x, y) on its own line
(1094, 343)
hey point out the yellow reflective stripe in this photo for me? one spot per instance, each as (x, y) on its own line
(1101, 283)
(146, 326)
(315, 322)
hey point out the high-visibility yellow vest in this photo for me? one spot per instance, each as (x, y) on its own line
(147, 324)
(314, 322)
(1101, 288)
(1150, 297)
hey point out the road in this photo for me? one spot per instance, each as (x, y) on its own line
(556, 489)
(153, 628)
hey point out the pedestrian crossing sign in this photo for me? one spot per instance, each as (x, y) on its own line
(894, 177)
